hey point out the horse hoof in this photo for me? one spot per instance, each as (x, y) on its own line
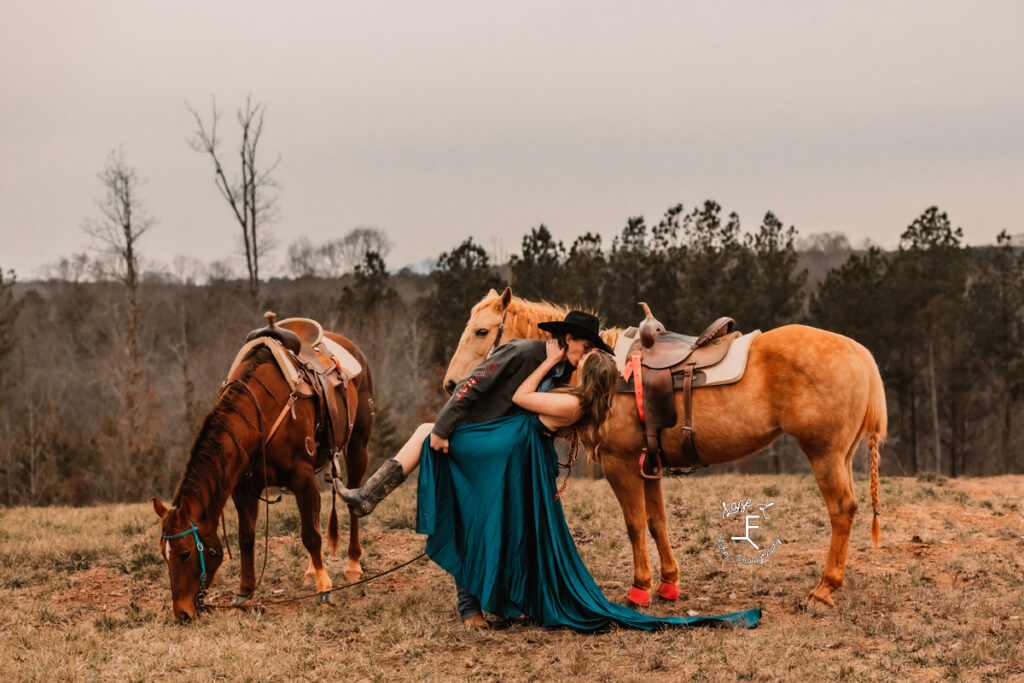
(638, 597)
(668, 591)
(820, 605)
(323, 598)
(353, 576)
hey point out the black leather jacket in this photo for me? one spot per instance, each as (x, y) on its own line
(486, 392)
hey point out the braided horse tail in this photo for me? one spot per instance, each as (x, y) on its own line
(876, 424)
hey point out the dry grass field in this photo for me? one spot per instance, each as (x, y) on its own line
(84, 596)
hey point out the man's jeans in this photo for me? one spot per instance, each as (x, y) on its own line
(467, 602)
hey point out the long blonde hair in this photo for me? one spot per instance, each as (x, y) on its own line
(595, 391)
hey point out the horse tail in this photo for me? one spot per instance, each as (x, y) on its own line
(876, 424)
(332, 525)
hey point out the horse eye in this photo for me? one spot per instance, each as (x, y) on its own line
(212, 551)
(185, 555)
(482, 332)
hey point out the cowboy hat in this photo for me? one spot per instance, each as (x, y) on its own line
(580, 325)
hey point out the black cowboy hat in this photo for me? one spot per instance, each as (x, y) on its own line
(580, 325)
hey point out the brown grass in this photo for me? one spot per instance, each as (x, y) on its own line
(84, 596)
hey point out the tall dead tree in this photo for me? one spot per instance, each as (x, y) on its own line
(250, 196)
(123, 220)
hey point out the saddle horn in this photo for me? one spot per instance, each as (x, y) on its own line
(650, 327)
(288, 339)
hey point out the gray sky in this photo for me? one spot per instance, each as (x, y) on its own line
(439, 120)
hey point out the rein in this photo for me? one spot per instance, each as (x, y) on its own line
(574, 453)
(299, 598)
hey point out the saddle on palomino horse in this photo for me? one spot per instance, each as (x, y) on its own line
(315, 367)
(656, 363)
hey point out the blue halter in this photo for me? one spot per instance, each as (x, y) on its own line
(194, 530)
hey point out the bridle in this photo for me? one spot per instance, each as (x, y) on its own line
(201, 549)
(193, 529)
(497, 339)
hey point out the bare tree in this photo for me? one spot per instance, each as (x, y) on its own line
(251, 197)
(123, 221)
(350, 251)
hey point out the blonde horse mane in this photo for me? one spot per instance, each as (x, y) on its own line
(524, 315)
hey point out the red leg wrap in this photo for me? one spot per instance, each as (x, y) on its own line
(639, 597)
(668, 591)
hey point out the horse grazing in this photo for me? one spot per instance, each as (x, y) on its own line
(233, 456)
(821, 387)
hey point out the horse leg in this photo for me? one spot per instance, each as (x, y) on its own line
(247, 503)
(307, 496)
(668, 588)
(832, 472)
(356, 460)
(629, 490)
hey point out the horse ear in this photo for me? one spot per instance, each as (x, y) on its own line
(490, 293)
(159, 508)
(506, 297)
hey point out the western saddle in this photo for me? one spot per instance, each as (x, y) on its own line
(316, 367)
(655, 363)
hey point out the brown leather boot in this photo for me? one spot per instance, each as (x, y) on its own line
(377, 487)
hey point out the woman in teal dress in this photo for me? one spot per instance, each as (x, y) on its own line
(492, 520)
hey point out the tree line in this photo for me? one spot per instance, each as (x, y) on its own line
(107, 369)
(86, 414)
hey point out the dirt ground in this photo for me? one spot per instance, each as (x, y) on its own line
(84, 594)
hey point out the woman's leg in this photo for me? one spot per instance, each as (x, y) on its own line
(409, 454)
(386, 479)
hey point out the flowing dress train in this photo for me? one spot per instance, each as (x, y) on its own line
(492, 522)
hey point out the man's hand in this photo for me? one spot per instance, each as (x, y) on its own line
(437, 443)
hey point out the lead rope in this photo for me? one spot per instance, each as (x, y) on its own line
(574, 452)
(285, 601)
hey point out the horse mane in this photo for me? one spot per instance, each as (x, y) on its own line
(206, 472)
(523, 316)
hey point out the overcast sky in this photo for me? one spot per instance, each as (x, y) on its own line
(436, 120)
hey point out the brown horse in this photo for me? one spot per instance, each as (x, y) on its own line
(228, 459)
(820, 387)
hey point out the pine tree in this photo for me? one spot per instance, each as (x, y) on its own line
(463, 276)
(627, 279)
(537, 271)
(996, 324)
(926, 284)
(777, 296)
(582, 278)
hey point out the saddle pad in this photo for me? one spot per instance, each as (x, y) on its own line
(731, 368)
(280, 355)
(622, 347)
(348, 362)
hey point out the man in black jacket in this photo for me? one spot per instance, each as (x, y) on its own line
(486, 394)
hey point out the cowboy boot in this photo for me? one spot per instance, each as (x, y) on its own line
(377, 487)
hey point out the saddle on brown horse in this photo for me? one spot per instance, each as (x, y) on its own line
(316, 367)
(655, 363)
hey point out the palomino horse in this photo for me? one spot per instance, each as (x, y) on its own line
(228, 459)
(821, 387)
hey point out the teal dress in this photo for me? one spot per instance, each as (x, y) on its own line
(492, 522)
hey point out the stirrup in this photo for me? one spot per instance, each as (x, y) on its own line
(657, 470)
